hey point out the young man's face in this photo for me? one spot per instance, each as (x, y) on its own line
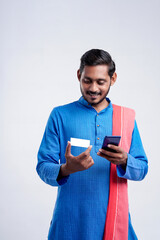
(95, 83)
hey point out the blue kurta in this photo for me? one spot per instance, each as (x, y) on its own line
(81, 205)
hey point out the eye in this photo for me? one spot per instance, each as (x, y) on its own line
(86, 81)
(100, 82)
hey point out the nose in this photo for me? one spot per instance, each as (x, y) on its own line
(93, 87)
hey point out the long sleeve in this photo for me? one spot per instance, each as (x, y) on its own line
(48, 165)
(137, 162)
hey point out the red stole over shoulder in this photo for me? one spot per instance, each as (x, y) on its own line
(116, 225)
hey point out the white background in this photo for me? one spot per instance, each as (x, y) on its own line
(40, 48)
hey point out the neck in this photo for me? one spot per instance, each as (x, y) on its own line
(102, 106)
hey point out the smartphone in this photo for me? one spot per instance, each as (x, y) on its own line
(110, 140)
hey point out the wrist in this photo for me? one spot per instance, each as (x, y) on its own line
(64, 170)
(124, 165)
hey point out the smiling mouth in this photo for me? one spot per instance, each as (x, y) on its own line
(93, 94)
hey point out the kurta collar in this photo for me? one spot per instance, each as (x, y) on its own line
(85, 103)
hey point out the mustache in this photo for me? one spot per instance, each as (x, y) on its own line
(93, 93)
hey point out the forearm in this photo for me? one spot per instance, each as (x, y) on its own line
(48, 166)
(63, 172)
(49, 172)
(137, 162)
(136, 169)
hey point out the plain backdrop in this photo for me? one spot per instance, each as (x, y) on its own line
(40, 48)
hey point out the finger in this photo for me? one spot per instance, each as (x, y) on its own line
(108, 153)
(114, 147)
(85, 153)
(90, 159)
(91, 162)
(68, 148)
(113, 160)
(88, 149)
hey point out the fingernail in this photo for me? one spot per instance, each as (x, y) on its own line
(108, 145)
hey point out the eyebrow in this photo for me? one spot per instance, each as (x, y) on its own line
(99, 79)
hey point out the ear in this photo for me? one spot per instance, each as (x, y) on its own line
(113, 78)
(78, 74)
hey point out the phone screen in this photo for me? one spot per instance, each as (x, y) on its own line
(114, 140)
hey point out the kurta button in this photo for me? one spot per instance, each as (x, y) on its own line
(97, 125)
(97, 114)
(98, 138)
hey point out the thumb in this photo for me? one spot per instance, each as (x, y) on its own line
(68, 148)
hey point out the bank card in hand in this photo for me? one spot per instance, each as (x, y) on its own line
(78, 142)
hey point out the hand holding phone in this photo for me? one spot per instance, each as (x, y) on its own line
(114, 140)
(118, 157)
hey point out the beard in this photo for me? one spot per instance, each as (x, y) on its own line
(95, 103)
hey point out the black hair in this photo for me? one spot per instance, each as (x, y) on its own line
(95, 57)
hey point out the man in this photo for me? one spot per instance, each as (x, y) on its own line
(84, 175)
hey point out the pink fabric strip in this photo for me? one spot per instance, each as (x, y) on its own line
(116, 225)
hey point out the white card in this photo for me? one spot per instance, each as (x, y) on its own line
(80, 142)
